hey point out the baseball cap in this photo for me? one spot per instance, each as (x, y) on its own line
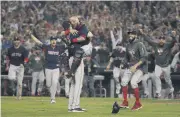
(53, 38)
(16, 38)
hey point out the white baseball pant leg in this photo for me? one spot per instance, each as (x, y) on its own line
(41, 78)
(116, 75)
(126, 77)
(144, 83)
(52, 76)
(158, 72)
(167, 76)
(17, 72)
(35, 76)
(67, 85)
(34, 81)
(75, 89)
(136, 78)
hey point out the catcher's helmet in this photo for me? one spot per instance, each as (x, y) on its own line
(66, 25)
(115, 108)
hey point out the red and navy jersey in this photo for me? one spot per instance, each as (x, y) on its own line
(17, 55)
(52, 56)
(82, 31)
(118, 57)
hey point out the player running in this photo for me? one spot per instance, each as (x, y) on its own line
(36, 64)
(135, 57)
(52, 53)
(116, 59)
(150, 74)
(162, 58)
(79, 46)
(17, 56)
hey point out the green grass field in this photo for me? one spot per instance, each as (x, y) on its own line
(97, 107)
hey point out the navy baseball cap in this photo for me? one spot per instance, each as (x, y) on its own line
(53, 38)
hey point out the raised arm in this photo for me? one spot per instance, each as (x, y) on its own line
(175, 60)
(148, 38)
(36, 40)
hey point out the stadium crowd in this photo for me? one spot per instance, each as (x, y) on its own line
(107, 21)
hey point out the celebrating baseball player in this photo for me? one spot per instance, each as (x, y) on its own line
(116, 59)
(36, 64)
(135, 57)
(150, 74)
(162, 58)
(79, 45)
(17, 57)
(52, 53)
(175, 60)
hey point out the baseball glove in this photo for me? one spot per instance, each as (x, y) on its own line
(115, 108)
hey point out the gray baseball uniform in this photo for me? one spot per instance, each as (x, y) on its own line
(135, 52)
(162, 58)
(36, 63)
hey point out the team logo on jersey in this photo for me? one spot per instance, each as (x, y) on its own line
(132, 52)
(16, 54)
(53, 53)
(160, 51)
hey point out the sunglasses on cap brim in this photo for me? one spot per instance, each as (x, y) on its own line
(16, 40)
(162, 37)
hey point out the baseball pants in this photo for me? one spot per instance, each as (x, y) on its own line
(146, 77)
(117, 72)
(76, 87)
(37, 76)
(167, 76)
(67, 85)
(134, 78)
(52, 79)
(16, 73)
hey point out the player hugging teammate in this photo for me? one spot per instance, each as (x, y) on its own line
(78, 39)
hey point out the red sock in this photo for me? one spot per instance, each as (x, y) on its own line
(125, 91)
(136, 94)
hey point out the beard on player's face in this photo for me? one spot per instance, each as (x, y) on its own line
(53, 43)
(16, 43)
(132, 37)
(161, 42)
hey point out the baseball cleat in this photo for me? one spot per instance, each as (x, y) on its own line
(69, 110)
(157, 95)
(137, 106)
(53, 101)
(77, 110)
(124, 104)
(145, 96)
(83, 109)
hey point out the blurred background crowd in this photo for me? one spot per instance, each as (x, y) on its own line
(107, 20)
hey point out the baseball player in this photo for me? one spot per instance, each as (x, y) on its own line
(135, 57)
(175, 60)
(18, 57)
(116, 59)
(79, 45)
(64, 67)
(162, 57)
(36, 64)
(150, 74)
(52, 53)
